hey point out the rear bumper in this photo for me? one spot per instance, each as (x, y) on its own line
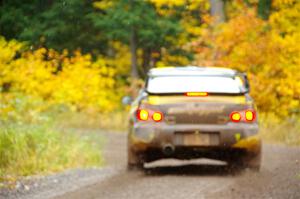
(241, 137)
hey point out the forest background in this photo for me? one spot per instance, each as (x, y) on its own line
(66, 64)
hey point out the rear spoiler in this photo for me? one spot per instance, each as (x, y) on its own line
(242, 75)
(209, 94)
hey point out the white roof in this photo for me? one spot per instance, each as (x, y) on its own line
(191, 70)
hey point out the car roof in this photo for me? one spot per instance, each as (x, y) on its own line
(192, 71)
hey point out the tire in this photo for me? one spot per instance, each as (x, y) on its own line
(250, 161)
(134, 160)
(253, 162)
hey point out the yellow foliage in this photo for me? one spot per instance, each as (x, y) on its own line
(167, 7)
(191, 4)
(280, 3)
(103, 4)
(8, 51)
(160, 3)
(121, 59)
(168, 59)
(75, 80)
(268, 50)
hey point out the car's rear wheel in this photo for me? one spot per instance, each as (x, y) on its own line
(251, 161)
(135, 160)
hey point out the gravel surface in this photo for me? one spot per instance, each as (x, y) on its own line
(44, 187)
(278, 178)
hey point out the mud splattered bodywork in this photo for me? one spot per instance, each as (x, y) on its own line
(194, 127)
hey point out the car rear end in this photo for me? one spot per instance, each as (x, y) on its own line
(212, 122)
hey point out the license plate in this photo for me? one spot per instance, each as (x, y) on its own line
(198, 139)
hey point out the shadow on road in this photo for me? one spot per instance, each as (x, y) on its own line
(201, 170)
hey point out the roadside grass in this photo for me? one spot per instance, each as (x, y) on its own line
(274, 130)
(39, 149)
(116, 121)
(32, 141)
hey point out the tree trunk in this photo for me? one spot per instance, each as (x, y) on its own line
(133, 47)
(146, 60)
(217, 10)
(218, 13)
(264, 8)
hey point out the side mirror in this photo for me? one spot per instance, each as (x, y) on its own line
(127, 100)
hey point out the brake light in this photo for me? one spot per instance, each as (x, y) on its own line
(157, 116)
(244, 116)
(142, 114)
(235, 116)
(196, 94)
(249, 115)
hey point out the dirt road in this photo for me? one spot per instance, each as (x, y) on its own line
(279, 177)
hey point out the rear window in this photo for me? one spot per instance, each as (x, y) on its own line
(182, 84)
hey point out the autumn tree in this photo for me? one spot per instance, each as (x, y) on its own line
(138, 24)
(54, 24)
(268, 49)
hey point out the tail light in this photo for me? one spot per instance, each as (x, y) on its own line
(249, 115)
(244, 116)
(144, 115)
(235, 116)
(157, 116)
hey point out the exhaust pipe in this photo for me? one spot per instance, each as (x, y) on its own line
(168, 149)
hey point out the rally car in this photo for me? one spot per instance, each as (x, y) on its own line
(194, 112)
